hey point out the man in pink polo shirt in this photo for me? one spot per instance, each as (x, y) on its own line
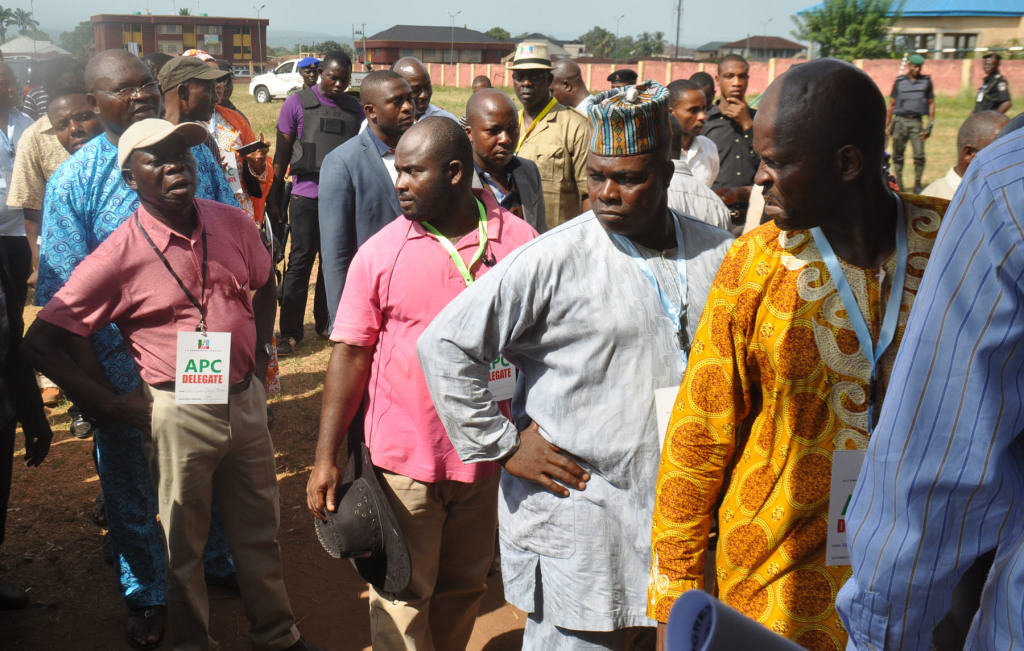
(448, 236)
(176, 278)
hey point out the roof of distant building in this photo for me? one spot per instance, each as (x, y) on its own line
(25, 45)
(432, 34)
(762, 43)
(710, 46)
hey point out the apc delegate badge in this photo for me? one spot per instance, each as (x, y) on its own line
(203, 370)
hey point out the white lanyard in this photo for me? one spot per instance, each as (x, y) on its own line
(674, 313)
(892, 308)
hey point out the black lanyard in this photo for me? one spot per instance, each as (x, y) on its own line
(202, 312)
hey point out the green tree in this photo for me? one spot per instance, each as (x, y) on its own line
(184, 11)
(600, 42)
(648, 44)
(6, 18)
(329, 46)
(24, 20)
(499, 34)
(80, 40)
(849, 29)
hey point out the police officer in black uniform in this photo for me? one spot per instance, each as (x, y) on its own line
(912, 97)
(994, 94)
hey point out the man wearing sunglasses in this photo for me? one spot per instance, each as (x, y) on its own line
(86, 200)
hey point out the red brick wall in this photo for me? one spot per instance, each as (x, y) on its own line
(947, 74)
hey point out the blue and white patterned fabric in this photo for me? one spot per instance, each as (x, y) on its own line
(943, 478)
(86, 200)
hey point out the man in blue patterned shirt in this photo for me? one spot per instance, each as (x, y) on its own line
(86, 200)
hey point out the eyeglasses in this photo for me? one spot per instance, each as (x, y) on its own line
(126, 94)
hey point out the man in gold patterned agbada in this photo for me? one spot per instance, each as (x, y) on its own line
(791, 360)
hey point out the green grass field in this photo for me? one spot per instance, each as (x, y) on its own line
(950, 112)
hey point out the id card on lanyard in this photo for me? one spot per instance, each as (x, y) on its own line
(664, 397)
(501, 378)
(846, 464)
(202, 370)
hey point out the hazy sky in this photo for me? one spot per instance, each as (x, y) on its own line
(716, 20)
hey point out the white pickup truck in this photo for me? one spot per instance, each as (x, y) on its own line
(285, 80)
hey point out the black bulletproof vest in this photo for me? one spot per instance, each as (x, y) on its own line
(324, 127)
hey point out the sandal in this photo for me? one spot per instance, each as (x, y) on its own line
(154, 618)
(99, 514)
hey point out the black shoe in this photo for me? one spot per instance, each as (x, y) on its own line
(286, 346)
(229, 582)
(12, 597)
(302, 644)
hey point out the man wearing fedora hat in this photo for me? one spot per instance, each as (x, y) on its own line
(551, 135)
(597, 315)
(912, 98)
(176, 278)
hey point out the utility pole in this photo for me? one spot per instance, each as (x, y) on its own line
(764, 43)
(366, 62)
(679, 21)
(617, 19)
(451, 57)
(259, 41)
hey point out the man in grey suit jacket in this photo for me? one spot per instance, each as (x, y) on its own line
(492, 125)
(357, 180)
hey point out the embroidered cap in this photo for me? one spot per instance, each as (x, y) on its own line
(532, 55)
(630, 121)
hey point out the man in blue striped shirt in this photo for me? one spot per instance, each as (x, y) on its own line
(943, 479)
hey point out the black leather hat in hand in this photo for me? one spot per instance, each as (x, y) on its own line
(364, 528)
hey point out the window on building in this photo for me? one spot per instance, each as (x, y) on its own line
(188, 36)
(243, 52)
(170, 47)
(131, 34)
(402, 52)
(961, 43)
(432, 56)
(912, 42)
(215, 48)
(469, 56)
(168, 29)
(208, 29)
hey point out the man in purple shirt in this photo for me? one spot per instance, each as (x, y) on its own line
(312, 123)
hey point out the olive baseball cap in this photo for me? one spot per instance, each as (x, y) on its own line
(181, 70)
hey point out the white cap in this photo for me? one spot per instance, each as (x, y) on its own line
(145, 133)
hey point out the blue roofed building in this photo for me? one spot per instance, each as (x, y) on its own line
(956, 27)
(952, 29)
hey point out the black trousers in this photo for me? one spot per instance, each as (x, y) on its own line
(17, 256)
(7, 431)
(304, 217)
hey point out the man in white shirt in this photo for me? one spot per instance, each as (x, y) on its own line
(688, 104)
(418, 78)
(688, 195)
(976, 133)
(568, 86)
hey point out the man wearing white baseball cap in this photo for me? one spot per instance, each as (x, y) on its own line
(176, 279)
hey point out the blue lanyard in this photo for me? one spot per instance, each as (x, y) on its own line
(892, 308)
(7, 138)
(674, 313)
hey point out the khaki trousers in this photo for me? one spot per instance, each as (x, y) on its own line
(449, 527)
(194, 453)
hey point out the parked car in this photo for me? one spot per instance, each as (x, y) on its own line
(277, 83)
(284, 81)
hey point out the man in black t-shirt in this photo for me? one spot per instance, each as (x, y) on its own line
(994, 94)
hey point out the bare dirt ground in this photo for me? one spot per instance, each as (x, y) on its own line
(53, 549)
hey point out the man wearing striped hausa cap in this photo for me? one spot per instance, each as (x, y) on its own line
(597, 315)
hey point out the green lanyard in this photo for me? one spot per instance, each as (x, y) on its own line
(453, 252)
